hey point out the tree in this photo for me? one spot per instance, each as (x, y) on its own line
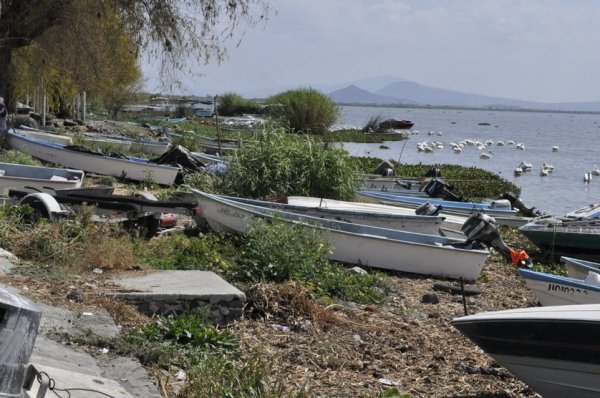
(173, 30)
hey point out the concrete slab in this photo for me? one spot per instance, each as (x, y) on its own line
(173, 292)
(78, 385)
(71, 367)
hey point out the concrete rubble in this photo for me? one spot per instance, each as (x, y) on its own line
(163, 292)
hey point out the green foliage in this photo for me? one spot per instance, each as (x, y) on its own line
(304, 110)
(188, 330)
(210, 252)
(354, 135)
(14, 156)
(232, 104)
(280, 164)
(277, 252)
(251, 378)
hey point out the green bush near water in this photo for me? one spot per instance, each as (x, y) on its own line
(303, 110)
(280, 164)
(232, 104)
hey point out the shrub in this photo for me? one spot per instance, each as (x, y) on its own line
(231, 104)
(277, 252)
(14, 156)
(304, 110)
(280, 164)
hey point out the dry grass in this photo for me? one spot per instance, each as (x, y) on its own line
(406, 341)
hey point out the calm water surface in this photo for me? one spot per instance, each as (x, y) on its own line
(561, 191)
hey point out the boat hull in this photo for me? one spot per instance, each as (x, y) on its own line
(357, 244)
(558, 290)
(451, 225)
(421, 224)
(137, 170)
(38, 179)
(568, 242)
(553, 349)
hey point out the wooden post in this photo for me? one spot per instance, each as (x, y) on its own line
(216, 112)
(83, 108)
(45, 104)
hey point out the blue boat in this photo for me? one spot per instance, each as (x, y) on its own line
(552, 289)
(495, 207)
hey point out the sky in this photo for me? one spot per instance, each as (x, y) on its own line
(536, 50)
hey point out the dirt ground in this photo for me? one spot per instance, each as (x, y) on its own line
(350, 350)
(402, 343)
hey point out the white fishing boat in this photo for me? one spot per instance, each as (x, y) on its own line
(450, 227)
(43, 135)
(130, 168)
(579, 269)
(552, 289)
(553, 349)
(359, 244)
(413, 223)
(147, 147)
(38, 179)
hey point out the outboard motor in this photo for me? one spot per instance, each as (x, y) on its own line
(518, 204)
(404, 184)
(433, 172)
(19, 322)
(436, 188)
(483, 229)
(427, 209)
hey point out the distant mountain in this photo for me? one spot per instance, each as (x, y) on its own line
(355, 95)
(408, 92)
(370, 84)
(425, 95)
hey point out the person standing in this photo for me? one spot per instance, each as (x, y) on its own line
(3, 117)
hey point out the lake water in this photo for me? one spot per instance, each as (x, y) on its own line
(562, 191)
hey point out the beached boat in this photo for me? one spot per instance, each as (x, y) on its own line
(577, 232)
(130, 168)
(553, 349)
(404, 222)
(217, 146)
(494, 208)
(208, 159)
(552, 289)
(358, 244)
(43, 135)
(38, 179)
(579, 269)
(147, 147)
(451, 225)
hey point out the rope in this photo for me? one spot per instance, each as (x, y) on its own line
(52, 387)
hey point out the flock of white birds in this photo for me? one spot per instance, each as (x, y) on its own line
(486, 153)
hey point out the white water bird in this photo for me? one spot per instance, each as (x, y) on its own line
(518, 171)
(596, 171)
(525, 166)
(555, 148)
(520, 146)
(543, 171)
(548, 167)
(500, 143)
(486, 155)
(587, 177)
(457, 149)
(510, 142)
